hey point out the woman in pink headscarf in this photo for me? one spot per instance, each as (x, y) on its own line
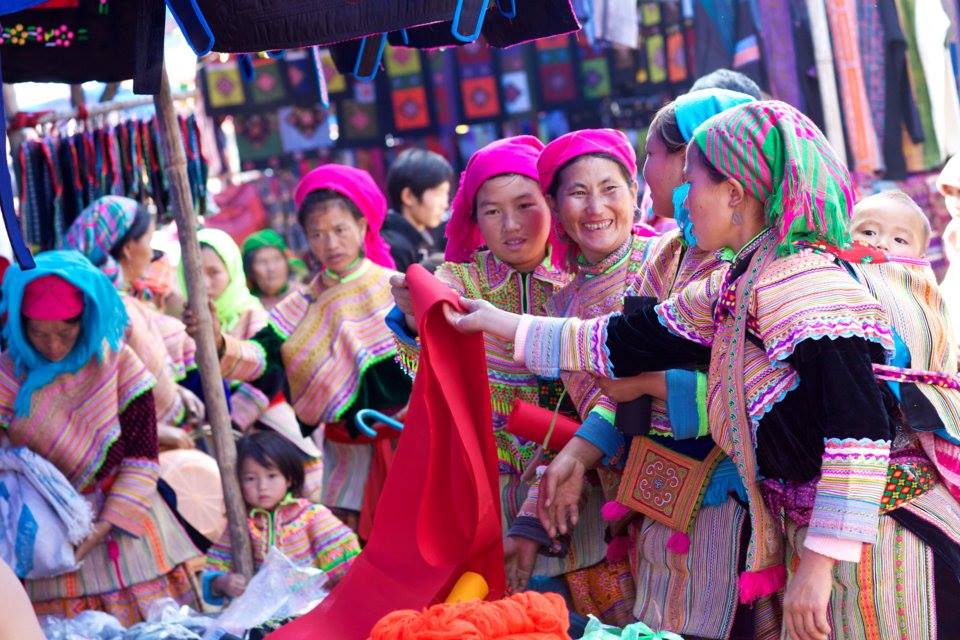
(328, 346)
(501, 247)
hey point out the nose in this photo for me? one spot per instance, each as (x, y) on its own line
(510, 221)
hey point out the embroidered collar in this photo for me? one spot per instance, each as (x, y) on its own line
(498, 272)
(356, 269)
(736, 257)
(608, 264)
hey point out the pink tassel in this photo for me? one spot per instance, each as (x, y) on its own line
(679, 543)
(618, 548)
(758, 584)
(613, 511)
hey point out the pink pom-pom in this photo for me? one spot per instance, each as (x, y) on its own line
(618, 548)
(679, 543)
(758, 584)
(613, 511)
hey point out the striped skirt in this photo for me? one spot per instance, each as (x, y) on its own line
(906, 584)
(694, 593)
(144, 569)
(345, 471)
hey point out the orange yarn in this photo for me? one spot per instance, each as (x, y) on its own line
(524, 616)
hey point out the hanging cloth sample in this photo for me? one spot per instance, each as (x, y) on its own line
(932, 24)
(439, 513)
(823, 54)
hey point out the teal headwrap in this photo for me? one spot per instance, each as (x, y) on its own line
(691, 110)
(104, 319)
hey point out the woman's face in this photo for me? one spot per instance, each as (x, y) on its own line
(215, 274)
(53, 339)
(596, 206)
(663, 172)
(335, 236)
(137, 255)
(514, 220)
(270, 270)
(708, 203)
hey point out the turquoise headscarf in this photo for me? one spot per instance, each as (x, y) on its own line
(104, 319)
(691, 110)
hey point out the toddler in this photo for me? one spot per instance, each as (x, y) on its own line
(891, 222)
(271, 478)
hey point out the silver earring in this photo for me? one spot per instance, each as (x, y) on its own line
(737, 218)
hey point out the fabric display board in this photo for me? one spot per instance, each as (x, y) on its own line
(73, 41)
(59, 175)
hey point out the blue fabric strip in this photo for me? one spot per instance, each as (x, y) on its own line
(682, 403)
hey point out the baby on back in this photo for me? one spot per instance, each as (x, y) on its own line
(892, 222)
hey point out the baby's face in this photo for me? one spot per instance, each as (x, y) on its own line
(894, 230)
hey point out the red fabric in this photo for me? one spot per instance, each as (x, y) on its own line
(241, 212)
(51, 298)
(376, 478)
(531, 422)
(439, 513)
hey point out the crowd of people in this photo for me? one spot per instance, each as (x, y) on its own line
(767, 392)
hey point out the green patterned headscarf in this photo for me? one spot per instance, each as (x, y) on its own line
(236, 299)
(784, 161)
(269, 238)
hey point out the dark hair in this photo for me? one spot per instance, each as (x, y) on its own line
(715, 174)
(141, 222)
(730, 80)
(419, 170)
(321, 199)
(271, 450)
(664, 126)
(555, 185)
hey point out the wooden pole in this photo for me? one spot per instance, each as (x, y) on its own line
(216, 403)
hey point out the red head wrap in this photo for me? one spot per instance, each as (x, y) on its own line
(586, 141)
(51, 298)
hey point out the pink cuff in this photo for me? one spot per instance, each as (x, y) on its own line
(836, 548)
(520, 339)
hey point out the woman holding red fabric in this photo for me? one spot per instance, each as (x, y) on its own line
(500, 247)
(329, 346)
(73, 393)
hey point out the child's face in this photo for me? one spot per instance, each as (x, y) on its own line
(894, 230)
(263, 487)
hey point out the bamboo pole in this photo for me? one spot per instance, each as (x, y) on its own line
(216, 403)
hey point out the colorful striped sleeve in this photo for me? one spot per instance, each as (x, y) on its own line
(242, 359)
(334, 544)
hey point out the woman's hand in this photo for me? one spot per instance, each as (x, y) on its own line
(562, 486)
(170, 437)
(192, 322)
(520, 555)
(231, 585)
(482, 316)
(196, 411)
(808, 594)
(401, 296)
(100, 531)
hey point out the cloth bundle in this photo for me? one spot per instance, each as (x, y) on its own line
(35, 497)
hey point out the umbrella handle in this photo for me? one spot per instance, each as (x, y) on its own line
(374, 415)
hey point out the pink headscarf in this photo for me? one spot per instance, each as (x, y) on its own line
(573, 145)
(357, 186)
(578, 143)
(516, 155)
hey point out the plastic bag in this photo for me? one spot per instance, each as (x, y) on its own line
(88, 625)
(159, 631)
(169, 611)
(280, 589)
(596, 630)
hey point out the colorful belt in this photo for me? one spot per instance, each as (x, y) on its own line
(935, 378)
(908, 478)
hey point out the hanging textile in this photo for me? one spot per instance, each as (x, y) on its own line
(861, 136)
(478, 82)
(823, 56)
(557, 75)
(932, 24)
(77, 41)
(779, 56)
(59, 175)
(408, 90)
(928, 155)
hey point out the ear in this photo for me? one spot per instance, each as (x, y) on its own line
(408, 198)
(362, 225)
(736, 193)
(551, 202)
(634, 187)
(125, 253)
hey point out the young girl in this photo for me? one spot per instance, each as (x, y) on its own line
(271, 478)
